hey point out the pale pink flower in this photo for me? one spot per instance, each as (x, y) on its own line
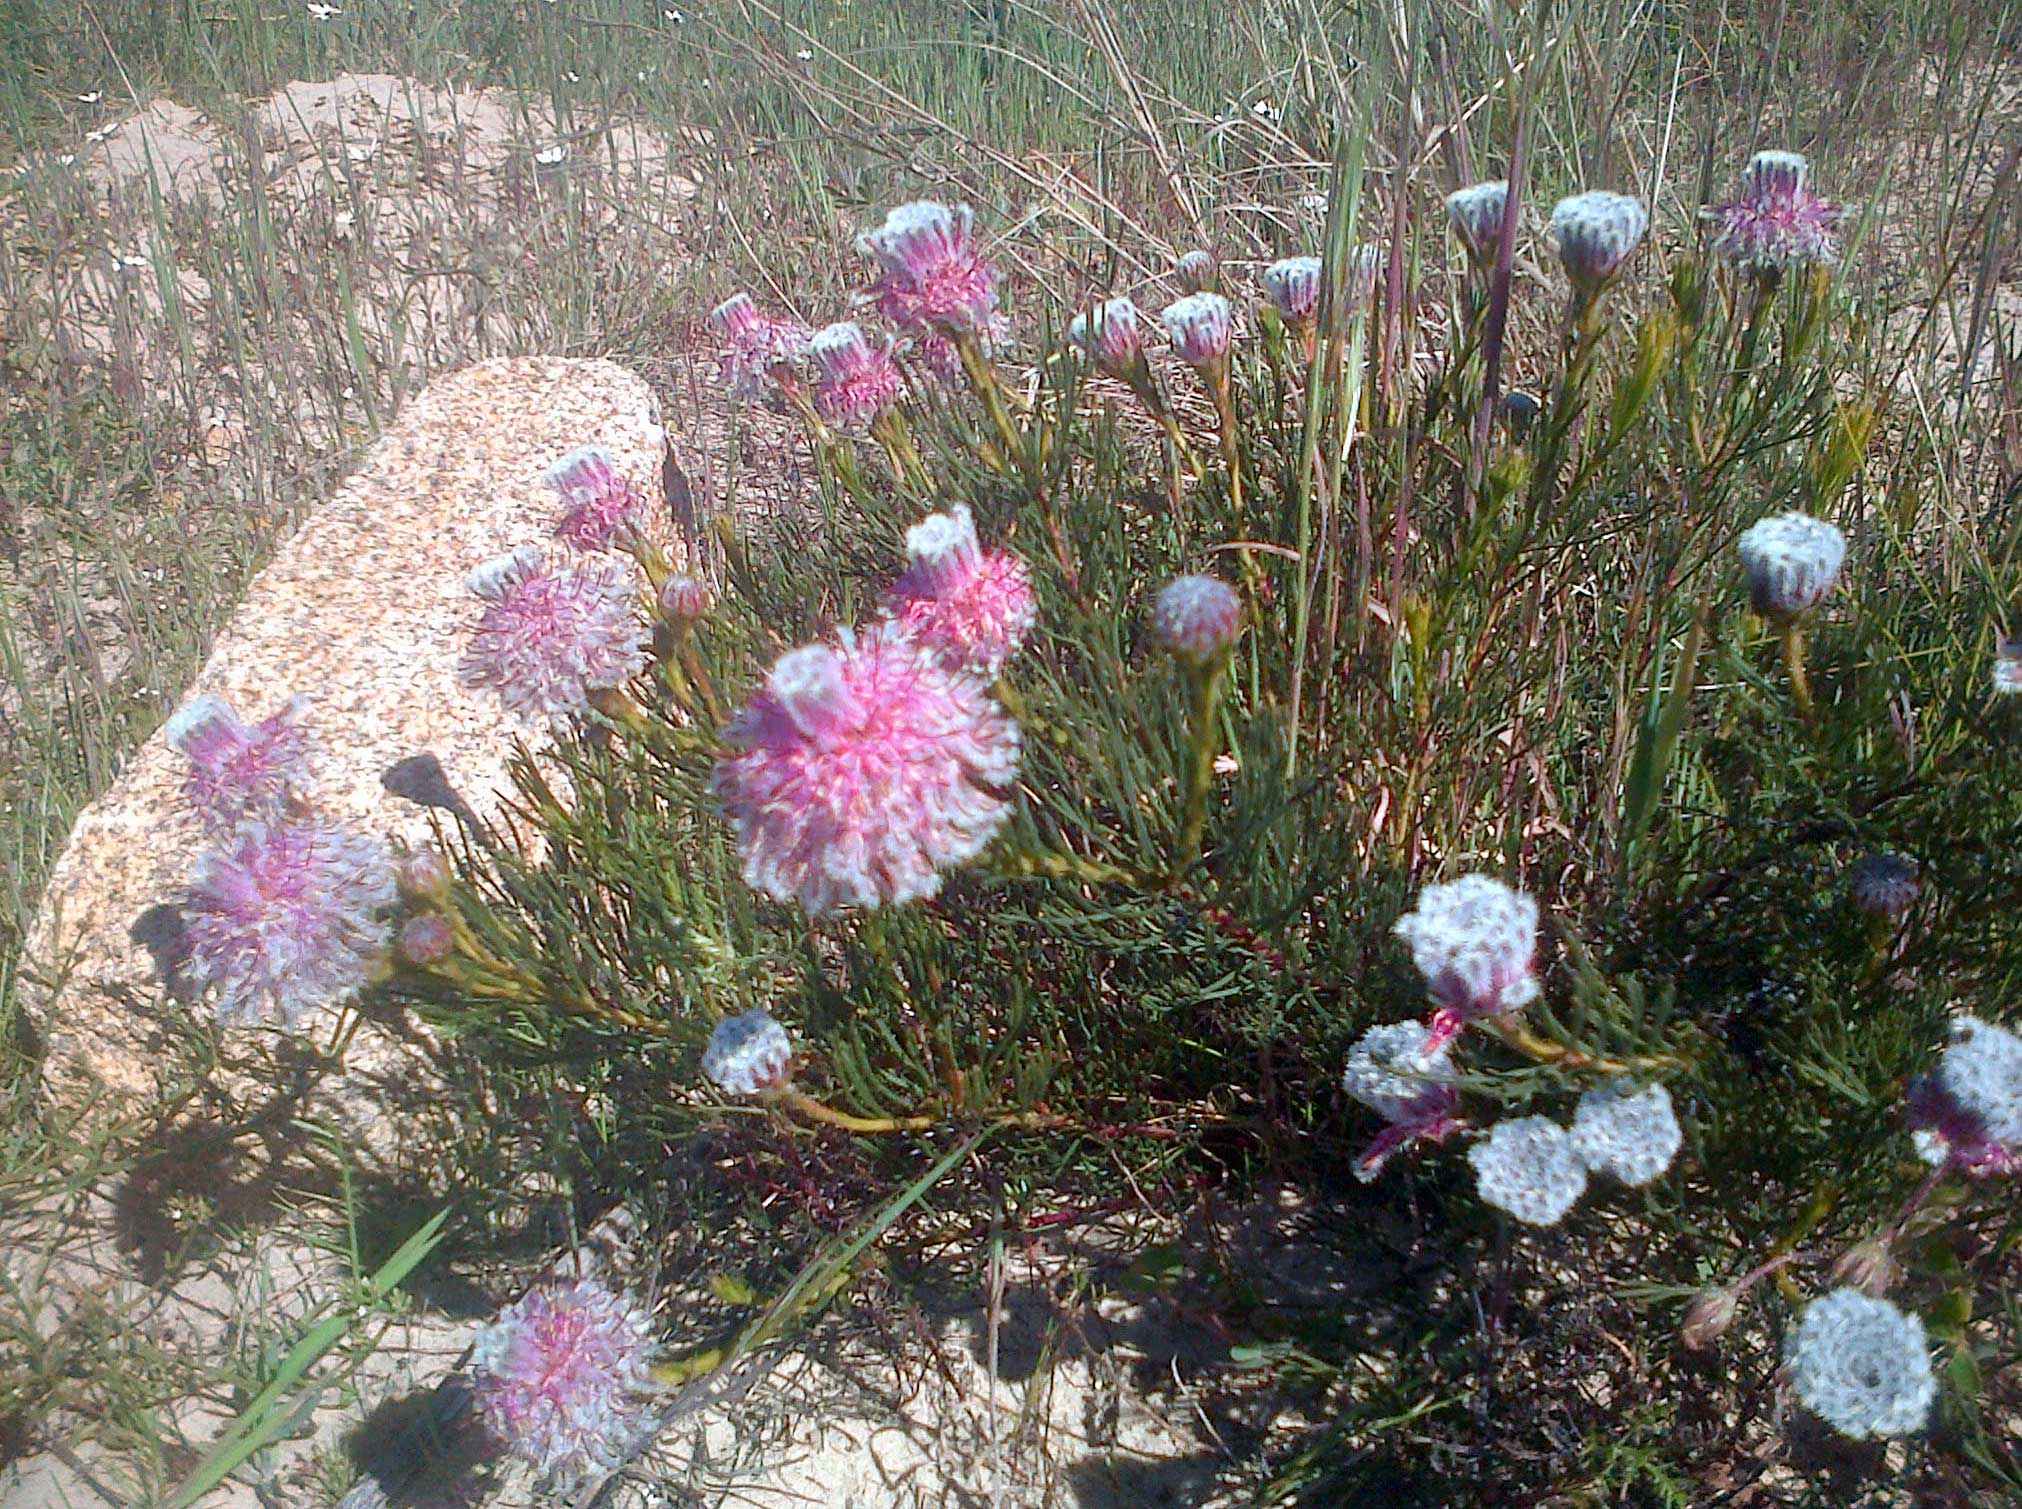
(240, 772)
(866, 770)
(283, 919)
(1474, 940)
(934, 278)
(753, 343)
(1293, 285)
(1109, 336)
(1476, 214)
(550, 635)
(1597, 233)
(685, 600)
(1199, 327)
(563, 1378)
(1777, 223)
(854, 381)
(1400, 1073)
(1197, 618)
(970, 606)
(600, 506)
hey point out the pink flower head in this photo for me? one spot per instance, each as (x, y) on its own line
(1476, 214)
(867, 769)
(1199, 327)
(970, 606)
(1474, 940)
(1197, 272)
(1597, 233)
(1197, 618)
(1401, 1074)
(1777, 223)
(550, 635)
(934, 278)
(1293, 285)
(1109, 335)
(563, 1378)
(240, 773)
(854, 380)
(600, 507)
(685, 600)
(1967, 1113)
(283, 919)
(748, 1054)
(753, 343)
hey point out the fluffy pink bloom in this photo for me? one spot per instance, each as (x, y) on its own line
(1197, 618)
(1474, 940)
(867, 769)
(934, 278)
(1967, 1113)
(970, 606)
(239, 772)
(1777, 223)
(283, 919)
(563, 1378)
(1399, 1072)
(550, 635)
(1109, 335)
(854, 381)
(753, 343)
(600, 507)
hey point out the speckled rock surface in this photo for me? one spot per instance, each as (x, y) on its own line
(364, 611)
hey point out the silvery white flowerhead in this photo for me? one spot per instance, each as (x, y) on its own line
(1529, 1167)
(1399, 1073)
(1862, 1365)
(1777, 223)
(1630, 1135)
(1597, 233)
(1199, 327)
(550, 635)
(1474, 940)
(1197, 618)
(1476, 214)
(1792, 561)
(1884, 885)
(1196, 272)
(1293, 285)
(2007, 666)
(748, 1054)
(1967, 1113)
(1109, 335)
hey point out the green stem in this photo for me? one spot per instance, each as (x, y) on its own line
(983, 379)
(1204, 742)
(1793, 663)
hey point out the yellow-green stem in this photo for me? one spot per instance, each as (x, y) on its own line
(983, 378)
(1203, 743)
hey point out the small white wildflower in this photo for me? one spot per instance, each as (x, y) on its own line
(1792, 561)
(324, 12)
(553, 153)
(133, 262)
(1529, 1168)
(1862, 1365)
(1630, 1135)
(343, 223)
(1473, 939)
(1597, 232)
(362, 151)
(1399, 1073)
(570, 74)
(92, 98)
(1314, 205)
(102, 133)
(674, 15)
(806, 54)
(748, 1054)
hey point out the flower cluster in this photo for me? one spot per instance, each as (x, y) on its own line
(563, 1378)
(550, 635)
(753, 343)
(934, 279)
(866, 769)
(1967, 1113)
(1474, 940)
(748, 1054)
(970, 606)
(854, 381)
(600, 506)
(1777, 223)
(240, 773)
(283, 918)
(1537, 1170)
(1862, 1365)
(1791, 561)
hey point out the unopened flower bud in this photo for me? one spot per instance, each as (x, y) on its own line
(1197, 618)
(1868, 1266)
(1293, 285)
(1476, 214)
(1792, 561)
(684, 600)
(425, 941)
(748, 1054)
(1708, 1317)
(1885, 885)
(1109, 335)
(424, 876)
(1597, 233)
(1199, 326)
(1197, 272)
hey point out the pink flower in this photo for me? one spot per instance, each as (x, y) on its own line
(550, 635)
(1109, 335)
(1597, 232)
(240, 773)
(934, 278)
(1197, 272)
(970, 606)
(600, 506)
(563, 1378)
(1399, 1072)
(1199, 326)
(1293, 284)
(685, 600)
(868, 769)
(1474, 940)
(1197, 618)
(1476, 214)
(1777, 223)
(1967, 1113)
(283, 919)
(854, 380)
(753, 343)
